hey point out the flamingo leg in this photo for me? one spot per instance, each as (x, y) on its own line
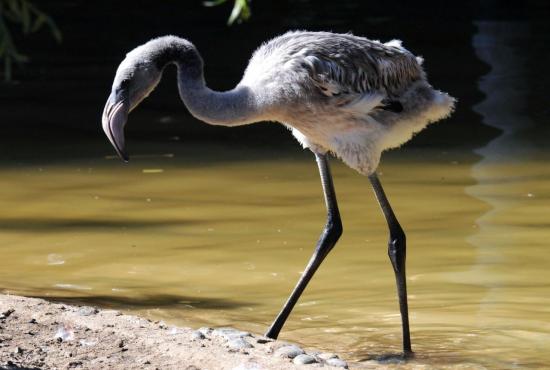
(397, 253)
(329, 237)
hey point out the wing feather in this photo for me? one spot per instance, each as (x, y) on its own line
(353, 70)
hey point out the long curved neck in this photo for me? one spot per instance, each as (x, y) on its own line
(239, 106)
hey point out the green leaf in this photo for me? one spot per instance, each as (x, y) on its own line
(235, 13)
(38, 22)
(25, 17)
(14, 8)
(56, 33)
(213, 3)
(31, 19)
(19, 58)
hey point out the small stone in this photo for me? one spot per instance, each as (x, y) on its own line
(289, 351)
(87, 311)
(336, 362)
(205, 330)
(6, 313)
(18, 350)
(327, 356)
(230, 333)
(197, 335)
(304, 359)
(238, 344)
(65, 333)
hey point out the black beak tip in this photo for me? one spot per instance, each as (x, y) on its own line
(124, 157)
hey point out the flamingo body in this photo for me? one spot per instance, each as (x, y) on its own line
(330, 90)
(338, 93)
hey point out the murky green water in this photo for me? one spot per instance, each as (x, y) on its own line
(222, 242)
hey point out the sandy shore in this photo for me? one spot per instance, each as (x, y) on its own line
(36, 334)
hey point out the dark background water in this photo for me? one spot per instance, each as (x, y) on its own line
(54, 107)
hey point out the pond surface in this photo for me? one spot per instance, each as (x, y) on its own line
(223, 242)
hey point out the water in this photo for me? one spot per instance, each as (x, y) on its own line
(223, 242)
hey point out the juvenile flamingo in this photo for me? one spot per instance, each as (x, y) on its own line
(338, 93)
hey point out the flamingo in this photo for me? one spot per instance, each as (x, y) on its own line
(338, 93)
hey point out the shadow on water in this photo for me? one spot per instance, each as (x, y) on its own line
(162, 301)
(57, 225)
(61, 225)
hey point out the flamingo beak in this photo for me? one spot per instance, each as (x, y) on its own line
(114, 119)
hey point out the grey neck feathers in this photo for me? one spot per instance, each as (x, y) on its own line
(230, 108)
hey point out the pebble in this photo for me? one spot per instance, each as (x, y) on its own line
(304, 359)
(233, 332)
(230, 333)
(64, 333)
(198, 335)
(238, 344)
(327, 356)
(336, 362)
(87, 311)
(205, 330)
(6, 313)
(289, 351)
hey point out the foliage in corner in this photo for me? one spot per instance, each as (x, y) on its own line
(31, 19)
(241, 10)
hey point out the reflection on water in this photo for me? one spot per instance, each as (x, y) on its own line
(223, 243)
(507, 238)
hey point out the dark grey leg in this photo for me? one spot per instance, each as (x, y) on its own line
(397, 254)
(329, 237)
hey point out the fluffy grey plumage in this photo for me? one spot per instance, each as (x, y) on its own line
(337, 92)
